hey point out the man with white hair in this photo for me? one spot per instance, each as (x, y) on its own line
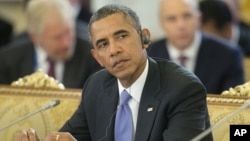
(216, 63)
(54, 48)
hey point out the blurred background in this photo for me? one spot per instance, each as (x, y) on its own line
(12, 11)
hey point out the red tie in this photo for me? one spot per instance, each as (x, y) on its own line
(182, 59)
(51, 70)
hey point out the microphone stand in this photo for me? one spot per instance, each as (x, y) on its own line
(222, 121)
(50, 105)
(21, 119)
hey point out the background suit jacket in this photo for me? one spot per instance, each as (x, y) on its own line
(6, 30)
(19, 60)
(219, 65)
(244, 40)
(177, 97)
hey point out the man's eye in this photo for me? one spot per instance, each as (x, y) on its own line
(170, 19)
(122, 36)
(103, 45)
(187, 16)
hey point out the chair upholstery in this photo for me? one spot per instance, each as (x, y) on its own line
(220, 106)
(16, 102)
(247, 68)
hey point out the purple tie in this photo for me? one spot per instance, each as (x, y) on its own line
(123, 120)
(182, 59)
(51, 70)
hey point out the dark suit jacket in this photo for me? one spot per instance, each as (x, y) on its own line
(19, 60)
(219, 64)
(6, 30)
(244, 40)
(84, 15)
(177, 97)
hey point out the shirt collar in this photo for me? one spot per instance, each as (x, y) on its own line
(41, 55)
(135, 90)
(235, 34)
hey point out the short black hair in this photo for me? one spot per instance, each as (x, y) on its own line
(116, 9)
(216, 11)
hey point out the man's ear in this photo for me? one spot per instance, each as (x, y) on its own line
(145, 32)
(96, 56)
(227, 31)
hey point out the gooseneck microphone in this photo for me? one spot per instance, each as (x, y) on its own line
(51, 104)
(222, 121)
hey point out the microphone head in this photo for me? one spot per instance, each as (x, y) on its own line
(56, 102)
(52, 104)
(247, 103)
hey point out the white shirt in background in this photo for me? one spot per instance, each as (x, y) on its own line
(42, 63)
(191, 52)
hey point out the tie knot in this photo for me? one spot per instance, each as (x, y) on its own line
(50, 61)
(51, 70)
(125, 97)
(182, 59)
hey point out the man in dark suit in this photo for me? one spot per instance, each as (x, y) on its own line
(54, 47)
(240, 32)
(216, 63)
(219, 17)
(82, 10)
(164, 102)
(6, 30)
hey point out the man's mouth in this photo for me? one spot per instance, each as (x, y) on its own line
(118, 62)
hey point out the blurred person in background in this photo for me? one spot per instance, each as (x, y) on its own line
(220, 18)
(81, 10)
(217, 18)
(81, 14)
(240, 31)
(6, 31)
(217, 63)
(53, 47)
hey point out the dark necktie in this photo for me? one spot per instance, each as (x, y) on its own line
(182, 60)
(51, 70)
(123, 120)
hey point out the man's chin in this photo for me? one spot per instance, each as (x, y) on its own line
(63, 57)
(182, 44)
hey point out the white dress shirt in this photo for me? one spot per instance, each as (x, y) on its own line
(42, 63)
(135, 90)
(235, 34)
(191, 52)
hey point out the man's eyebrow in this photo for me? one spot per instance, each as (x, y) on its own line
(116, 33)
(120, 32)
(99, 41)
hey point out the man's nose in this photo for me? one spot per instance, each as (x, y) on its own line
(66, 40)
(181, 23)
(115, 48)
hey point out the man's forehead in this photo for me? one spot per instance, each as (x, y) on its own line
(111, 26)
(193, 4)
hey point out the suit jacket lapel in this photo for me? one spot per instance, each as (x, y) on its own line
(29, 61)
(200, 61)
(68, 74)
(148, 104)
(163, 50)
(107, 109)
